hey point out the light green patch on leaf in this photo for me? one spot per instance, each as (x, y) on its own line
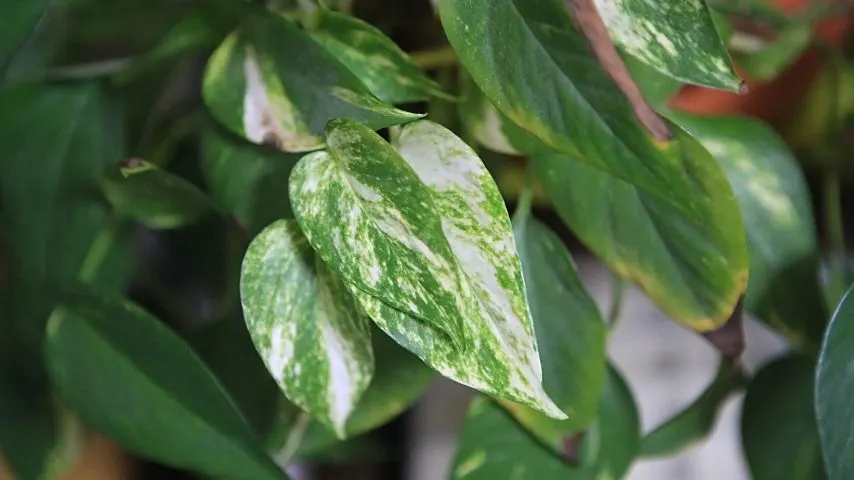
(694, 268)
(305, 325)
(676, 37)
(386, 70)
(423, 240)
(254, 86)
(154, 197)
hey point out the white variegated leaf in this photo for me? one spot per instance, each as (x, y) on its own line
(313, 339)
(426, 246)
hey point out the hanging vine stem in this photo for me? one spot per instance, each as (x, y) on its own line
(618, 293)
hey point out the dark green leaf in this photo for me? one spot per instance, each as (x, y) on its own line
(247, 180)
(775, 204)
(493, 446)
(569, 329)
(778, 428)
(154, 197)
(273, 84)
(695, 269)
(384, 68)
(532, 64)
(833, 393)
(130, 377)
(19, 21)
(677, 37)
(697, 420)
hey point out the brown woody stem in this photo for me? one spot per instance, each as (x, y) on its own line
(591, 25)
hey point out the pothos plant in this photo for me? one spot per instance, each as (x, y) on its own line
(369, 230)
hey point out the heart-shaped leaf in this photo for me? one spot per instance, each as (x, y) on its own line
(386, 69)
(425, 243)
(695, 269)
(273, 84)
(306, 326)
(834, 387)
(676, 37)
(533, 65)
(778, 221)
(128, 376)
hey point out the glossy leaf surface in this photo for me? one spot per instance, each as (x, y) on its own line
(271, 83)
(131, 378)
(305, 325)
(424, 241)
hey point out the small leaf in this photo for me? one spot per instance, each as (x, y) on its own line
(493, 446)
(152, 196)
(766, 61)
(569, 329)
(695, 269)
(833, 390)
(254, 87)
(776, 207)
(778, 428)
(424, 241)
(696, 421)
(676, 37)
(247, 180)
(306, 326)
(130, 377)
(385, 69)
(530, 61)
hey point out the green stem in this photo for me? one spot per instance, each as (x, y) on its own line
(294, 439)
(431, 59)
(100, 248)
(618, 290)
(834, 224)
(526, 197)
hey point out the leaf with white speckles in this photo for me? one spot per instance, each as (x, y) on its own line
(306, 326)
(425, 243)
(676, 37)
(274, 84)
(386, 69)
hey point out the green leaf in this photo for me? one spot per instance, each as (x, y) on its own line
(386, 70)
(493, 446)
(423, 240)
(19, 22)
(778, 427)
(676, 37)
(569, 329)
(532, 64)
(154, 197)
(51, 216)
(305, 324)
(254, 87)
(695, 269)
(765, 61)
(696, 421)
(833, 391)
(247, 180)
(131, 378)
(772, 192)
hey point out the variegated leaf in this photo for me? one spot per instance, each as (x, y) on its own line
(386, 69)
(425, 243)
(272, 83)
(306, 326)
(676, 37)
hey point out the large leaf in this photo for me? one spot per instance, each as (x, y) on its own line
(695, 269)
(247, 180)
(569, 329)
(305, 324)
(676, 37)
(152, 196)
(532, 64)
(20, 19)
(695, 422)
(778, 428)
(493, 446)
(424, 241)
(386, 69)
(834, 387)
(50, 217)
(131, 378)
(775, 205)
(273, 84)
